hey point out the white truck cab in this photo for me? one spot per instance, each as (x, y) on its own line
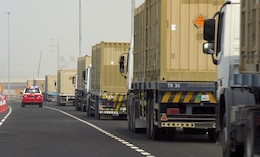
(238, 94)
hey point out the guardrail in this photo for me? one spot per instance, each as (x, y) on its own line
(3, 103)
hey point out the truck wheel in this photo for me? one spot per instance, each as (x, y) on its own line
(155, 132)
(88, 104)
(77, 108)
(58, 102)
(134, 111)
(130, 104)
(76, 104)
(226, 147)
(83, 108)
(249, 138)
(89, 111)
(97, 115)
(148, 120)
(129, 113)
(40, 105)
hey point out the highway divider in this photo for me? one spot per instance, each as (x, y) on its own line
(3, 103)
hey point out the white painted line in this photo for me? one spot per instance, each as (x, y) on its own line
(6, 116)
(137, 149)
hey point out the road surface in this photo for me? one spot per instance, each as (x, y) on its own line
(55, 131)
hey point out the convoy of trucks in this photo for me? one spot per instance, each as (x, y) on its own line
(168, 83)
(172, 83)
(107, 96)
(233, 40)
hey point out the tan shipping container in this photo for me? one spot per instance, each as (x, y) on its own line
(105, 67)
(168, 40)
(250, 36)
(39, 83)
(50, 82)
(83, 63)
(64, 82)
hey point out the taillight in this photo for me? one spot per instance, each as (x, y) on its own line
(173, 111)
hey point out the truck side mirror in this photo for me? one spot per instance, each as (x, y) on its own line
(208, 48)
(209, 30)
(73, 80)
(83, 75)
(121, 64)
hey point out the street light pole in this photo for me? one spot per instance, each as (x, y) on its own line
(8, 14)
(79, 28)
(58, 53)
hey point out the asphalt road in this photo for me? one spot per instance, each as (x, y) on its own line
(60, 131)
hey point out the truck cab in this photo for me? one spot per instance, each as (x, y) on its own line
(237, 98)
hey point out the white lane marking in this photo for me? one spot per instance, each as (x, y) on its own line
(6, 116)
(137, 149)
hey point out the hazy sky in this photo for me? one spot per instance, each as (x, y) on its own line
(32, 23)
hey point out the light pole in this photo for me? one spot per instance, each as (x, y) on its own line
(8, 14)
(79, 28)
(58, 53)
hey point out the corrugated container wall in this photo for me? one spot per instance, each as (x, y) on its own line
(105, 67)
(50, 81)
(83, 63)
(168, 40)
(250, 36)
(39, 83)
(64, 81)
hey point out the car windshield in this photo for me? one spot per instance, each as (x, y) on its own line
(32, 91)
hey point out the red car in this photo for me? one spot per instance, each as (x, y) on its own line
(32, 95)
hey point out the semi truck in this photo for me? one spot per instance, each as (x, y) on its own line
(107, 96)
(233, 41)
(65, 89)
(170, 84)
(50, 91)
(82, 82)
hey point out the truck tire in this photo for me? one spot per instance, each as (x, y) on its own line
(129, 118)
(76, 104)
(97, 115)
(83, 108)
(88, 109)
(40, 105)
(77, 107)
(58, 101)
(148, 119)
(129, 112)
(155, 132)
(89, 112)
(249, 137)
(134, 112)
(226, 147)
